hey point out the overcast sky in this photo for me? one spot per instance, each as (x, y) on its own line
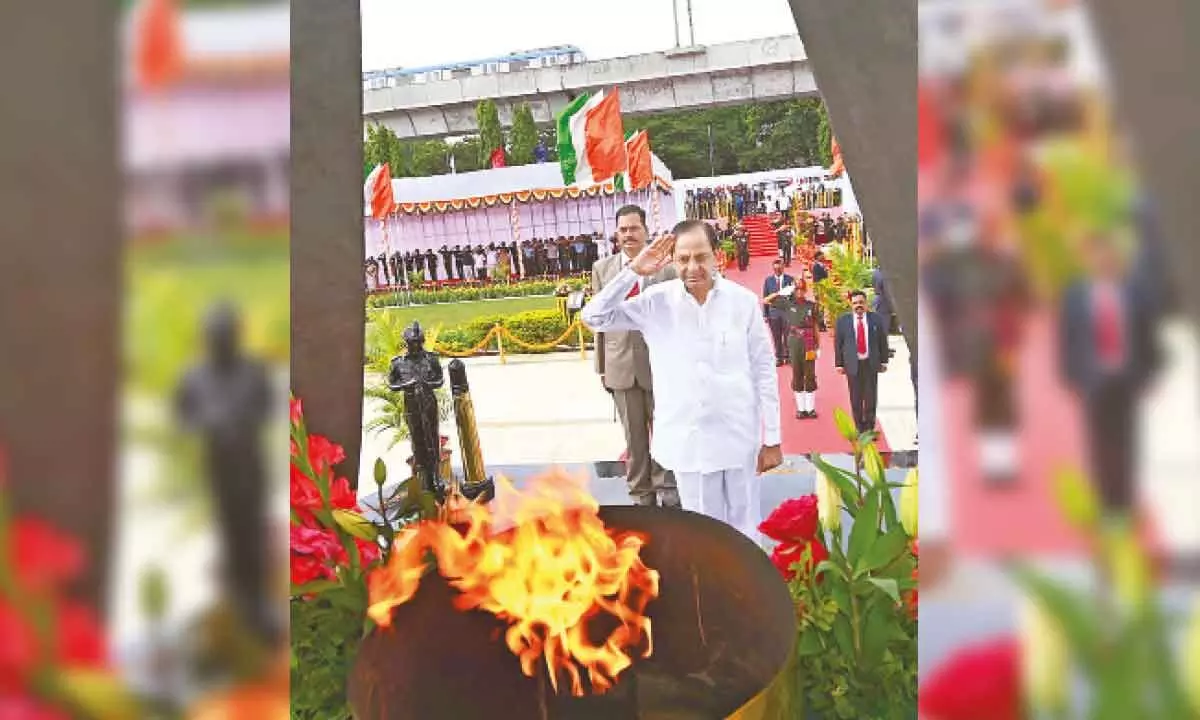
(431, 32)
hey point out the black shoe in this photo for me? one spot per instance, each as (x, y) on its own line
(812, 414)
(779, 363)
(800, 415)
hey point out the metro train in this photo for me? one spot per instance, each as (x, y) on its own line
(558, 55)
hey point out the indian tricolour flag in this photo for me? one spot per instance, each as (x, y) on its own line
(591, 140)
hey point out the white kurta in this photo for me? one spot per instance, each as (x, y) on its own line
(716, 392)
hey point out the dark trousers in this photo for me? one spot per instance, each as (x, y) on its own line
(743, 257)
(804, 370)
(1112, 447)
(785, 247)
(776, 325)
(864, 396)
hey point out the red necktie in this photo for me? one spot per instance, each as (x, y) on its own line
(1108, 328)
(862, 336)
(633, 291)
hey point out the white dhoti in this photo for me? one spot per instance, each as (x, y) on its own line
(732, 496)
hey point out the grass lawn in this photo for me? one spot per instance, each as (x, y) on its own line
(451, 314)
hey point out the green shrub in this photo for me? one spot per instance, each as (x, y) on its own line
(536, 327)
(524, 288)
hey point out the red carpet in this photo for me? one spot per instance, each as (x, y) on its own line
(801, 437)
(1023, 517)
(760, 236)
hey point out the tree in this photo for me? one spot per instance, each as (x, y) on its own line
(523, 137)
(466, 154)
(428, 157)
(491, 135)
(382, 146)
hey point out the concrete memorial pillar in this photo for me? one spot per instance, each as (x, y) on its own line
(60, 270)
(864, 59)
(328, 294)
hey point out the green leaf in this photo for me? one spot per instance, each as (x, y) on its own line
(826, 566)
(843, 635)
(888, 586)
(315, 587)
(878, 620)
(356, 525)
(884, 551)
(809, 643)
(865, 529)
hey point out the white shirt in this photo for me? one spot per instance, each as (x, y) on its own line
(490, 258)
(866, 333)
(716, 393)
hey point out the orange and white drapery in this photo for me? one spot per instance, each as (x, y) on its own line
(433, 207)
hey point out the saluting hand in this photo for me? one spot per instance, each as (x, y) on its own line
(654, 257)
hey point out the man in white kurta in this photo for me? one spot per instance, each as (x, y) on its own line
(716, 414)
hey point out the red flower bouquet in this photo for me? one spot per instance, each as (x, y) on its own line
(855, 592)
(53, 651)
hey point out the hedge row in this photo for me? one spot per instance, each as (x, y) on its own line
(525, 288)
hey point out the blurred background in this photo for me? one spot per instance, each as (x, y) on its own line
(205, 118)
(1059, 381)
(145, 371)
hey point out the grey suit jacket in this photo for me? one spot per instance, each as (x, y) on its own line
(622, 357)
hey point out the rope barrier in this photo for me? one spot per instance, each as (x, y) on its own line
(499, 333)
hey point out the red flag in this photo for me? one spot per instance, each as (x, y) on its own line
(641, 167)
(931, 141)
(498, 158)
(158, 44)
(378, 192)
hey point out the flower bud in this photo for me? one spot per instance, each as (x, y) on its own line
(829, 503)
(909, 504)
(1191, 658)
(1129, 566)
(1077, 499)
(1045, 660)
(380, 472)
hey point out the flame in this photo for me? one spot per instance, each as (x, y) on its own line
(544, 562)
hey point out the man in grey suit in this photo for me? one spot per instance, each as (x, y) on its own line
(623, 362)
(861, 353)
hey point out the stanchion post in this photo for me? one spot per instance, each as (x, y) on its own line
(582, 345)
(500, 343)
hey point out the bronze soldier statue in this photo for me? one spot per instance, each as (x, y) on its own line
(418, 374)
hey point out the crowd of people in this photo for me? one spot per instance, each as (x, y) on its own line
(540, 258)
(734, 202)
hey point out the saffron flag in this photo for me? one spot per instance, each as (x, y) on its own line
(158, 44)
(591, 140)
(498, 158)
(377, 192)
(641, 167)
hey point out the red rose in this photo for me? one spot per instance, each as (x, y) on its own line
(342, 496)
(318, 542)
(81, 641)
(44, 558)
(794, 521)
(18, 650)
(306, 568)
(981, 682)
(786, 555)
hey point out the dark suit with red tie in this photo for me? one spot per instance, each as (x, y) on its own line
(861, 352)
(1108, 353)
